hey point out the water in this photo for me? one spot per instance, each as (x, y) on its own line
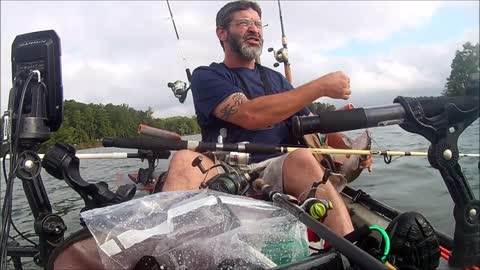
(408, 183)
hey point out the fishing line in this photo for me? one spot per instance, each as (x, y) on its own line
(178, 37)
(387, 159)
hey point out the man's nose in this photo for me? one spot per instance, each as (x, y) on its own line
(253, 28)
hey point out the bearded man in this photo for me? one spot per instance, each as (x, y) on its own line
(254, 104)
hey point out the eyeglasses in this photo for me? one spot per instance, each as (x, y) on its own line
(247, 22)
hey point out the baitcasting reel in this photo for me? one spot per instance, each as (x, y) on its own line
(281, 55)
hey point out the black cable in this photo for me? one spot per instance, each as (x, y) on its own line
(6, 213)
(7, 206)
(13, 238)
(21, 234)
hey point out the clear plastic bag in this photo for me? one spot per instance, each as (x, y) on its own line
(200, 229)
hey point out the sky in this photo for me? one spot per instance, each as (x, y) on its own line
(127, 51)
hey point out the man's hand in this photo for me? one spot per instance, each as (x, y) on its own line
(366, 162)
(336, 85)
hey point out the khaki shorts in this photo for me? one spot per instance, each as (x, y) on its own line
(271, 171)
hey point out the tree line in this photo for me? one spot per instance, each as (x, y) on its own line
(84, 125)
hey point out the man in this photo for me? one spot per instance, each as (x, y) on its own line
(254, 103)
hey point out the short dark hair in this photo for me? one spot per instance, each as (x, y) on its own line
(224, 15)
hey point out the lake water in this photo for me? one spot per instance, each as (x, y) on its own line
(408, 183)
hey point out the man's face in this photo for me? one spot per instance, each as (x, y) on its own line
(244, 34)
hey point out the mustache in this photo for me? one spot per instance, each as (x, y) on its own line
(259, 37)
(252, 35)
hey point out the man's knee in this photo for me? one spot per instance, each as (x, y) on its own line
(301, 157)
(300, 170)
(182, 175)
(183, 157)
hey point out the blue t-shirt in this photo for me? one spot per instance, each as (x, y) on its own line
(212, 84)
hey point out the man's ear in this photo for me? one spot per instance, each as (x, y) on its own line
(221, 33)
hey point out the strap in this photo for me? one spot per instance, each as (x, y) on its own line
(266, 83)
(263, 76)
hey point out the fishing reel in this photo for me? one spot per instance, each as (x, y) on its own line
(179, 89)
(231, 181)
(281, 55)
(237, 158)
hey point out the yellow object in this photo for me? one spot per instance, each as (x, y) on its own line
(390, 266)
(319, 209)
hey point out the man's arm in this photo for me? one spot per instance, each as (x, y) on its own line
(268, 110)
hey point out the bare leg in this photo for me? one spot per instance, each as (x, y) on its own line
(183, 176)
(300, 170)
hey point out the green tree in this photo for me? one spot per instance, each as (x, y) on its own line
(318, 107)
(84, 125)
(464, 65)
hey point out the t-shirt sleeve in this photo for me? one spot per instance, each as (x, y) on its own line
(288, 86)
(210, 88)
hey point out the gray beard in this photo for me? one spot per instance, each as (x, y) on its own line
(243, 49)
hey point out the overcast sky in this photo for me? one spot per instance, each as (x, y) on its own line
(127, 52)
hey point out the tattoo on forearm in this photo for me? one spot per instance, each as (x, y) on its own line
(231, 108)
(228, 111)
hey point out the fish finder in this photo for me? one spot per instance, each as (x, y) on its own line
(36, 96)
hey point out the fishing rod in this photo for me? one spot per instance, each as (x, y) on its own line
(282, 54)
(326, 151)
(253, 148)
(178, 87)
(114, 155)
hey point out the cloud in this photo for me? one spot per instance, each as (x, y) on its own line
(127, 52)
(328, 25)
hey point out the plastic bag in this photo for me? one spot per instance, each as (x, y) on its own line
(200, 229)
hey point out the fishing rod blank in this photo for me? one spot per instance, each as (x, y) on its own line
(176, 145)
(115, 155)
(331, 151)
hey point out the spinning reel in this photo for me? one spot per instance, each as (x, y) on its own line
(231, 181)
(179, 89)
